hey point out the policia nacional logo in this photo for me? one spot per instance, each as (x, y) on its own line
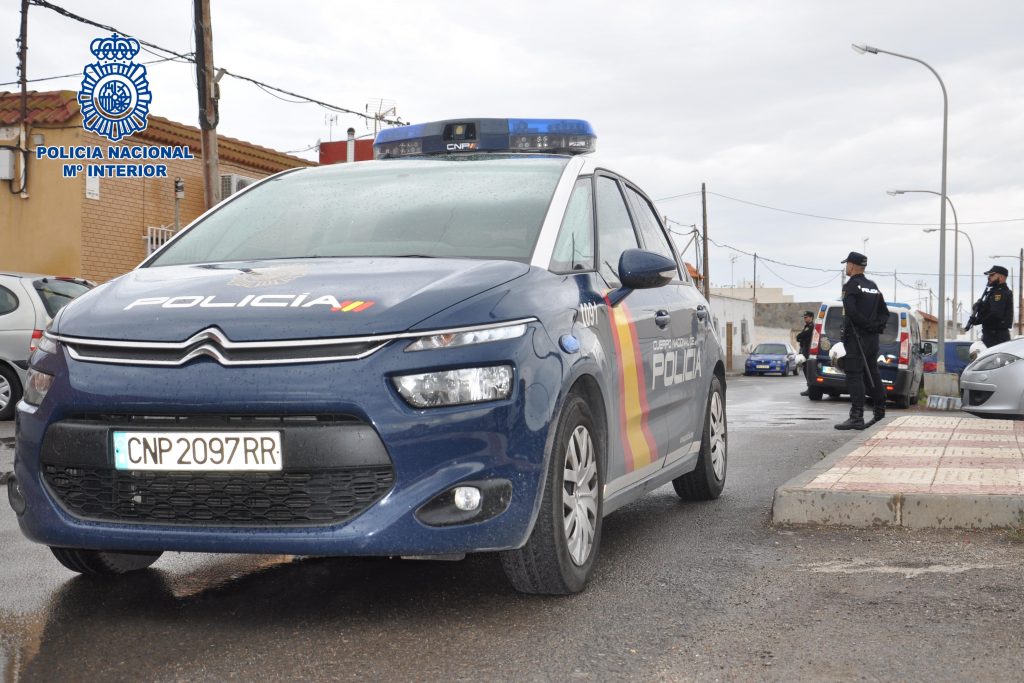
(115, 94)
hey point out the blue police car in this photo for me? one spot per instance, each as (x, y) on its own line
(483, 340)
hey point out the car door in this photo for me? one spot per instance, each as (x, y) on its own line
(678, 363)
(639, 326)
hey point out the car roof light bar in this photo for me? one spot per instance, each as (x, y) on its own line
(460, 136)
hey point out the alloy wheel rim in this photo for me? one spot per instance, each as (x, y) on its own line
(718, 435)
(5, 392)
(579, 495)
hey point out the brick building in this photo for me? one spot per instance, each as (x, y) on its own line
(99, 228)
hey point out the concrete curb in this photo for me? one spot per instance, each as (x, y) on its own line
(794, 504)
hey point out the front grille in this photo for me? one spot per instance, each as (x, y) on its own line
(290, 498)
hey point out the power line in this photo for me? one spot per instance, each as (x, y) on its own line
(79, 74)
(678, 196)
(190, 57)
(793, 284)
(851, 220)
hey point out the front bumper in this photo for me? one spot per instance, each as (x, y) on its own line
(997, 393)
(422, 454)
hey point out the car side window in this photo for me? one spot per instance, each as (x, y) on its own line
(650, 228)
(8, 301)
(574, 248)
(614, 228)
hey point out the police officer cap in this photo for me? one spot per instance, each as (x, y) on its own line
(856, 259)
(998, 270)
(808, 314)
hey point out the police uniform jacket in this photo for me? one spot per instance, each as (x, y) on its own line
(803, 338)
(997, 308)
(864, 308)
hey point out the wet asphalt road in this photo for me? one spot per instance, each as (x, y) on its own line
(682, 591)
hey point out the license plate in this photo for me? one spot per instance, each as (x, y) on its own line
(197, 451)
(829, 370)
(762, 367)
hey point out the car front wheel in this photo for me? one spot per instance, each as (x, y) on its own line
(707, 480)
(10, 392)
(559, 556)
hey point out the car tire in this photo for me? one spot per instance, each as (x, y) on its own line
(902, 401)
(10, 392)
(560, 554)
(916, 396)
(796, 371)
(103, 562)
(814, 394)
(707, 480)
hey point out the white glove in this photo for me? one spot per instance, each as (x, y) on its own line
(800, 360)
(836, 352)
(976, 349)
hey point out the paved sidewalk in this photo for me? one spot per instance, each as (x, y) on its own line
(915, 471)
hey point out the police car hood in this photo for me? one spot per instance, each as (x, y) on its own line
(271, 300)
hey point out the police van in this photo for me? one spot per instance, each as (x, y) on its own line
(481, 341)
(900, 355)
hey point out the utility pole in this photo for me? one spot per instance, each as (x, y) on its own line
(206, 83)
(894, 281)
(1020, 293)
(704, 213)
(23, 77)
(755, 282)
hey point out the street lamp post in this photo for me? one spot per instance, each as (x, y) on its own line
(867, 49)
(1020, 288)
(956, 246)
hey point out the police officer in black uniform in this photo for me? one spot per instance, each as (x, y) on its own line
(803, 338)
(864, 318)
(994, 310)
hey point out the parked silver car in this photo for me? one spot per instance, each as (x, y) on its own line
(993, 385)
(27, 304)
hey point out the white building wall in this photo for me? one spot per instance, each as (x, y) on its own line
(739, 312)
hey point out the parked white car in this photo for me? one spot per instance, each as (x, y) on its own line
(27, 304)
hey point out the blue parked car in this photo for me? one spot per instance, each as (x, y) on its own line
(771, 357)
(482, 341)
(958, 356)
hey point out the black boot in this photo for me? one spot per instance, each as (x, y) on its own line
(855, 421)
(805, 392)
(877, 416)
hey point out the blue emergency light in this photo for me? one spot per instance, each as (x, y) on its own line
(455, 136)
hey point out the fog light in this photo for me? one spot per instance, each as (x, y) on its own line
(14, 495)
(467, 498)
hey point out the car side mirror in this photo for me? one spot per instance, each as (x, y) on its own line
(642, 269)
(926, 348)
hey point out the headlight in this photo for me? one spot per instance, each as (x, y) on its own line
(36, 387)
(455, 387)
(444, 341)
(47, 344)
(994, 362)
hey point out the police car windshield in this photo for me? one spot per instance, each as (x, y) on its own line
(834, 325)
(455, 207)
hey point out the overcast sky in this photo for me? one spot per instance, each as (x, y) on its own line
(763, 101)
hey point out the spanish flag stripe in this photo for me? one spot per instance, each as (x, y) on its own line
(363, 307)
(351, 305)
(637, 441)
(626, 448)
(652, 445)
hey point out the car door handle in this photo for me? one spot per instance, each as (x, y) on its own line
(702, 312)
(662, 318)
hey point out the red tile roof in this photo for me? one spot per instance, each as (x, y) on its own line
(694, 273)
(60, 106)
(928, 316)
(53, 107)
